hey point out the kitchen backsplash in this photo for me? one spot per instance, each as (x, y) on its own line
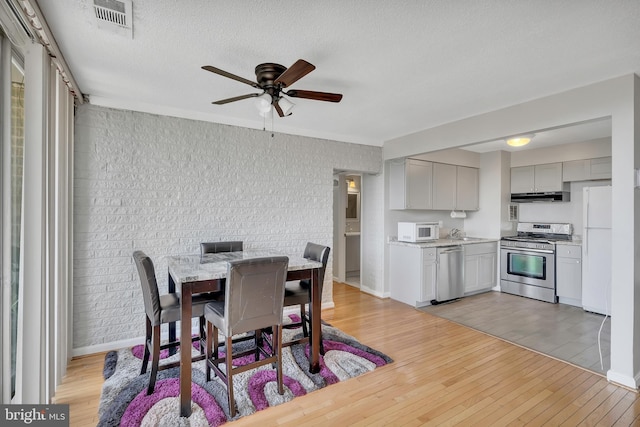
(570, 212)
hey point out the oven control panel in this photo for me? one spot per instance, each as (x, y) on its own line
(527, 244)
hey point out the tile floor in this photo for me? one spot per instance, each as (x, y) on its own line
(558, 330)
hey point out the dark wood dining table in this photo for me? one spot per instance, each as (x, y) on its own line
(192, 274)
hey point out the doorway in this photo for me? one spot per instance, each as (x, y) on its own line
(347, 216)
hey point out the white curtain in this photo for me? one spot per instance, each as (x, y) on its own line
(44, 310)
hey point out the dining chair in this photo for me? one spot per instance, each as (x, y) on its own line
(159, 309)
(254, 296)
(298, 292)
(214, 248)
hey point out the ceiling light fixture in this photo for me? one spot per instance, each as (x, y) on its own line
(286, 106)
(519, 141)
(263, 103)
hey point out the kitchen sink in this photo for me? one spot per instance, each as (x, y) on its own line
(466, 239)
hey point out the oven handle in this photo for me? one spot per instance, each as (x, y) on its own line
(541, 251)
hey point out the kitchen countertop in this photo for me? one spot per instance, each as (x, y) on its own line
(444, 242)
(574, 242)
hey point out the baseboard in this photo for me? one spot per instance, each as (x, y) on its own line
(99, 348)
(373, 292)
(117, 345)
(623, 380)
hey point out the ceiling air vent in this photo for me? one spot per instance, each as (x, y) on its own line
(114, 15)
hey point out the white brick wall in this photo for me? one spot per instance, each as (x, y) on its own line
(164, 184)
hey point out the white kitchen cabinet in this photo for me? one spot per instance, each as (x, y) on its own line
(480, 266)
(587, 169)
(467, 188)
(444, 186)
(412, 274)
(537, 178)
(455, 187)
(600, 168)
(569, 274)
(410, 184)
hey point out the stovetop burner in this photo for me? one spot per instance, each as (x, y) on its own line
(538, 235)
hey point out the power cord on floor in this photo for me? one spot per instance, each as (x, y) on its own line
(607, 292)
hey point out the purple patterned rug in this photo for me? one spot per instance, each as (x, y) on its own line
(124, 401)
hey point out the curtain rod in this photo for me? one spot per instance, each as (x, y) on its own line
(34, 17)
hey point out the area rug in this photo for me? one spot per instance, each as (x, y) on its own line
(124, 401)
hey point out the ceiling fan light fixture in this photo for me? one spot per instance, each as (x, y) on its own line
(266, 114)
(519, 141)
(263, 103)
(286, 106)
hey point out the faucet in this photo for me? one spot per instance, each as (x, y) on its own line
(454, 233)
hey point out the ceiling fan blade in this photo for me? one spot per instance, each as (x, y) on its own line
(235, 98)
(318, 96)
(294, 73)
(231, 76)
(278, 109)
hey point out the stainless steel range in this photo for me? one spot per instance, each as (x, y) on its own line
(527, 261)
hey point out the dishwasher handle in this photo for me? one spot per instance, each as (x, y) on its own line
(449, 249)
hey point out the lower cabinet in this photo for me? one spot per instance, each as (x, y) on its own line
(569, 274)
(412, 274)
(480, 266)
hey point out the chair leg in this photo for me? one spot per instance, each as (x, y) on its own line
(303, 316)
(147, 344)
(276, 340)
(155, 359)
(257, 337)
(202, 325)
(229, 368)
(209, 350)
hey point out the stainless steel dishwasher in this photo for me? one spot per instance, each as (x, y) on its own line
(450, 275)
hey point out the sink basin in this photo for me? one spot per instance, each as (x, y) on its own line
(466, 239)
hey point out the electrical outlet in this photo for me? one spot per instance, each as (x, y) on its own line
(440, 224)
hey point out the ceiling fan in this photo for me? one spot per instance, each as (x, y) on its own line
(272, 79)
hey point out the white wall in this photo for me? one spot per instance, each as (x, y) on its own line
(372, 236)
(618, 98)
(491, 219)
(163, 185)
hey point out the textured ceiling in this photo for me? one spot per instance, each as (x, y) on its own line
(402, 66)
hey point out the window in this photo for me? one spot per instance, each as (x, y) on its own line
(17, 149)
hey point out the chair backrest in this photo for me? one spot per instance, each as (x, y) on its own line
(215, 247)
(254, 293)
(149, 285)
(318, 253)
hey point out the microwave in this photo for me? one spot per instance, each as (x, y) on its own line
(418, 231)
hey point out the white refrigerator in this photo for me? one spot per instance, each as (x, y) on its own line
(596, 249)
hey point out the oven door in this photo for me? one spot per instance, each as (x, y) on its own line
(534, 267)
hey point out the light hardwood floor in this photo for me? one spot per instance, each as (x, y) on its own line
(442, 374)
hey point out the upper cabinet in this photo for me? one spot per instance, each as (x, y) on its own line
(444, 186)
(537, 178)
(587, 169)
(467, 189)
(455, 187)
(419, 184)
(410, 184)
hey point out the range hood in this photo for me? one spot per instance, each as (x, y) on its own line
(550, 196)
